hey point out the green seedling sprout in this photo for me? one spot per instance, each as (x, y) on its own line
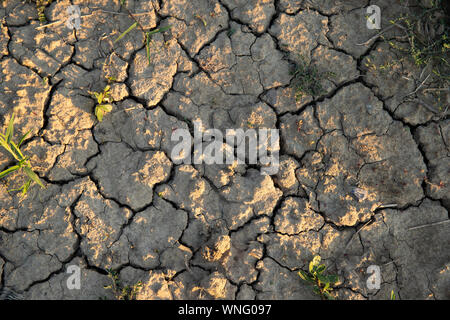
(322, 284)
(23, 162)
(147, 34)
(122, 292)
(103, 102)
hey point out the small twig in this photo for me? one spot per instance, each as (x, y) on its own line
(49, 25)
(365, 225)
(384, 206)
(430, 224)
(128, 109)
(375, 36)
(356, 233)
(422, 72)
(418, 87)
(101, 10)
(111, 12)
(58, 22)
(121, 13)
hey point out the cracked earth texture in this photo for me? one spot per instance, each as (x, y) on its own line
(114, 199)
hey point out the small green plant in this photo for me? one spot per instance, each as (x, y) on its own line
(122, 292)
(23, 162)
(103, 102)
(428, 38)
(147, 33)
(393, 295)
(231, 32)
(40, 7)
(322, 284)
(199, 17)
(426, 42)
(307, 79)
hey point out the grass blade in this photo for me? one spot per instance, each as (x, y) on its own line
(22, 162)
(8, 171)
(25, 187)
(16, 151)
(392, 295)
(147, 46)
(159, 30)
(23, 138)
(134, 25)
(10, 130)
(33, 176)
(4, 144)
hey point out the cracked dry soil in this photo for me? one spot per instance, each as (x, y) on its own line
(115, 200)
